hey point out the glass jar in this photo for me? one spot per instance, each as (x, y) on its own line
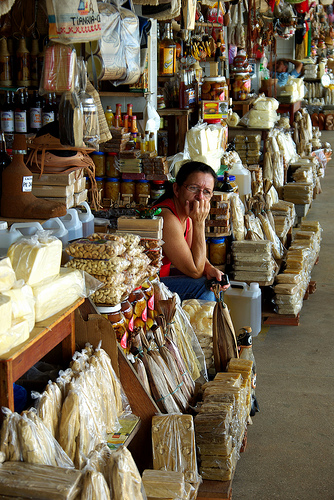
(112, 189)
(138, 301)
(157, 189)
(217, 251)
(100, 184)
(232, 181)
(127, 310)
(215, 89)
(111, 165)
(117, 319)
(98, 158)
(128, 187)
(241, 86)
(142, 189)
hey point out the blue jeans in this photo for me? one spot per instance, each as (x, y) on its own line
(188, 288)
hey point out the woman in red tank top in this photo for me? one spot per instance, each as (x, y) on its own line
(185, 206)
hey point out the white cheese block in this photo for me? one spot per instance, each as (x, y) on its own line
(18, 333)
(5, 313)
(7, 274)
(23, 303)
(36, 259)
(55, 294)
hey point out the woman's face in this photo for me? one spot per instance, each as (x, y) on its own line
(197, 186)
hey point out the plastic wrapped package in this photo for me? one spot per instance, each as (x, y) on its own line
(303, 174)
(59, 69)
(70, 120)
(264, 103)
(278, 170)
(23, 303)
(127, 483)
(111, 295)
(7, 274)
(262, 119)
(95, 486)
(237, 217)
(6, 309)
(173, 445)
(163, 484)
(93, 248)
(22, 480)
(16, 335)
(37, 258)
(270, 234)
(99, 267)
(54, 294)
(286, 288)
(9, 439)
(49, 407)
(285, 278)
(299, 193)
(203, 139)
(131, 39)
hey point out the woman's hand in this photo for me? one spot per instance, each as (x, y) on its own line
(198, 210)
(211, 272)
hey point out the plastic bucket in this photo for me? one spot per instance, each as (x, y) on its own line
(57, 229)
(73, 224)
(87, 219)
(244, 303)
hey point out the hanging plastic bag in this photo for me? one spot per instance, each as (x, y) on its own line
(70, 120)
(59, 69)
(91, 135)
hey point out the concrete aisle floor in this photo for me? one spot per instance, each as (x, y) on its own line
(290, 450)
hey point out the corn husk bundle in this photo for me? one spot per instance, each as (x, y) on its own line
(270, 235)
(136, 348)
(157, 379)
(141, 372)
(224, 338)
(170, 361)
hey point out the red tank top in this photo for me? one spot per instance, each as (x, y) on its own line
(169, 203)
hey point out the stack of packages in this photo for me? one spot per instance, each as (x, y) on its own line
(119, 141)
(291, 285)
(157, 165)
(310, 71)
(222, 419)
(284, 214)
(218, 220)
(299, 193)
(121, 262)
(68, 188)
(200, 314)
(206, 143)
(174, 474)
(253, 261)
(248, 148)
(256, 179)
(34, 287)
(130, 165)
(146, 228)
(263, 113)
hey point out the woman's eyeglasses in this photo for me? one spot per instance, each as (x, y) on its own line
(192, 188)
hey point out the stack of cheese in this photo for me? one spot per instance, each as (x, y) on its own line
(119, 261)
(36, 261)
(284, 214)
(200, 314)
(165, 485)
(291, 285)
(68, 188)
(221, 422)
(263, 113)
(253, 261)
(299, 193)
(248, 148)
(204, 143)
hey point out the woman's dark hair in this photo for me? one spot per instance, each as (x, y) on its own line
(187, 169)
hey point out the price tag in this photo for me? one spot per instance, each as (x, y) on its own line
(27, 183)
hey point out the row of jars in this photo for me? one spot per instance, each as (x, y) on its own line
(136, 311)
(113, 188)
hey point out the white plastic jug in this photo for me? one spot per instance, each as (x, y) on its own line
(7, 237)
(244, 303)
(87, 219)
(72, 223)
(57, 229)
(242, 178)
(27, 228)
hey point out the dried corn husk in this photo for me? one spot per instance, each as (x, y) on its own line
(141, 372)
(224, 338)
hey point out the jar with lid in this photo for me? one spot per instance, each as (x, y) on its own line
(111, 165)
(98, 159)
(142, 189)
(117, 319)
(241, 86)
(217, 251)
(138, 301)
(157, 190)
(127, 311)
(112, 188)
(100, 184)
(215, 89)
(128, 187)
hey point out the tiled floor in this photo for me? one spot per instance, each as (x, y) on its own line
(290, 451)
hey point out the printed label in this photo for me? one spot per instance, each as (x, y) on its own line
(144, 315)
(7, 121)
(36, 118)
(48, 117)
(21, 122)
(27, 183)
(167, 55)
(124, 340)
(131, 324)
(150, 303)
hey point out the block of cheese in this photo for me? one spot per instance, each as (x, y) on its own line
(5, 313)
(7, 274)
(163, 484)
(36, 259)
(18, 333)
(23, 303)
(53, 295)
(43, 191)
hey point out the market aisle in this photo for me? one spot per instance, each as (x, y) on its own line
(290, 451)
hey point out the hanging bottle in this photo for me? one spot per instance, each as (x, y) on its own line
(167, 54)
(5, 65)
(7, 114)
(34, 63)
(23, 64)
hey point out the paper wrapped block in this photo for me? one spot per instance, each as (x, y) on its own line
(36, 259)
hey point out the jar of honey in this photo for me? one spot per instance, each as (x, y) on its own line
(98, 159)
(128, 187)
(217, 251)
(142, 189)
(127, 310)
(100, 184)
(112, 189)
(138, 301)
(111, 165)
(117, 319)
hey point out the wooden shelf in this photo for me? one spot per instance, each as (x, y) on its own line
(121, 94)
(175, 111)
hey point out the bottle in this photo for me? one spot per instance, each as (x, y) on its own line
(34, 63)
(20, 114)
(126, 123)
(183, 91)
(5, 159)
(5, 65)
(35, 112)
(147, 137)
(7, 114)
(109, 116)
(134, 128)
(129, 107)
(151, 142)
(142, 144)
(118, 115)
(191, 89)
(48, 114)
(225, 186)
(23, 64)
(167, 54)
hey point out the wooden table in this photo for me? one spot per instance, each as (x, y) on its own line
(43, 338)
(243, 106)
(290, 108)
